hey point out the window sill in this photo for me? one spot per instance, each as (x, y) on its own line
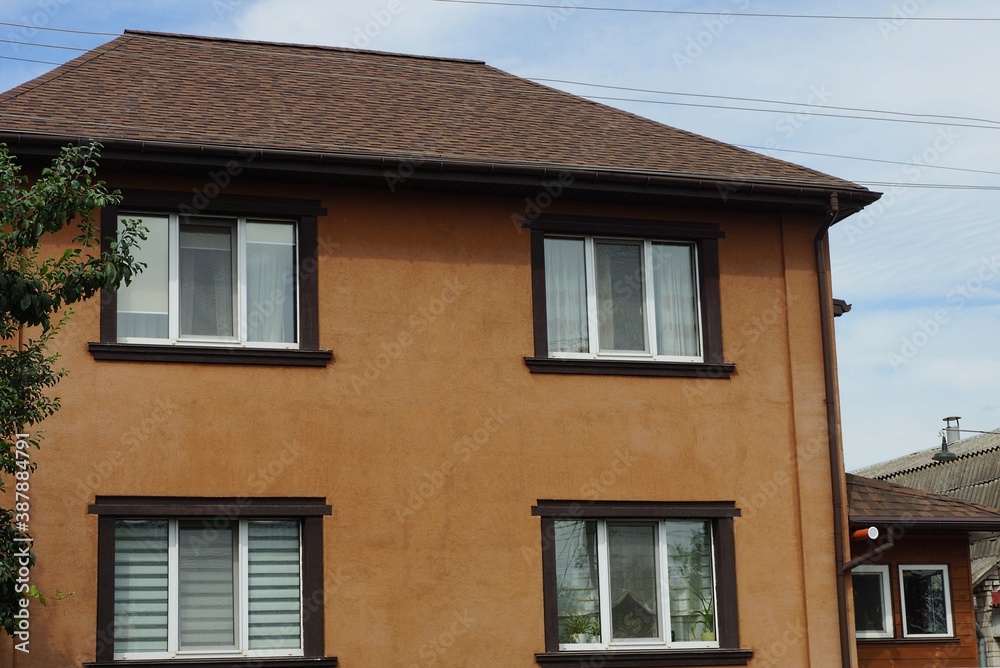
(241, 662)
(142, 352)
(647, 659)
(607, 367)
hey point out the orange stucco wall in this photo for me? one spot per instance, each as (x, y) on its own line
(432, 554)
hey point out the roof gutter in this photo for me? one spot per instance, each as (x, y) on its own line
(422, 169)
(837, 475)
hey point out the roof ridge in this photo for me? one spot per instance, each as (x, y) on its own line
(930, 463)
(297, 45)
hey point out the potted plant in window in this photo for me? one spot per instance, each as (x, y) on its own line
(583, 628)
(703, 617)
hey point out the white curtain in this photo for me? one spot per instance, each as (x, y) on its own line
(566, 295)
(274, 580)
(206, 280)
(675, 297)
(620, 301)
(141, 582)
(271, 282)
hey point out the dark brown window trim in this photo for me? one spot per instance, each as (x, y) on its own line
(647, 659)
(306, 213)
(151, 352)
(310, 510)
(259, 662)
(720, 513)
(705, 237)
(186, 506)
(602, 510)
(606, 367)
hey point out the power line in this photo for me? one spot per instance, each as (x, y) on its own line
(567, 8)
(809, 113)
(31, 60)
(852, 157)
(75, 32)
(43, 45)
(765, 101)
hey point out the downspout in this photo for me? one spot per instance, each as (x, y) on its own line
(833, 427)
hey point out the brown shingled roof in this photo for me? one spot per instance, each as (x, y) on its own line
(156, 87)
(876, 502)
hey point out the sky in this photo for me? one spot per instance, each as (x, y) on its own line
(921, 267)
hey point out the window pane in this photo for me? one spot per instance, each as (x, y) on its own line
(620, 301)
(141, 579)
(924, 599)
(274, 583)
(869, 602)
(577, 581)
(271, 282)
(634, 585)
(566, 296)
(674, 293)
(206, 278)
(143, 304)
(692, 591)
(206, 584)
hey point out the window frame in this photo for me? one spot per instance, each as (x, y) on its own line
(309, 511)
(949, 609)
(705, 240)
(303, 213)
(725, 650)
(887, 619)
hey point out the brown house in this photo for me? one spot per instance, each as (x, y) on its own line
(913, 588)
(433, 366)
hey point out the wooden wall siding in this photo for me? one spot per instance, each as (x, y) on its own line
(899, 652)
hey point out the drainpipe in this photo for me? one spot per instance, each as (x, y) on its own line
(833, 428)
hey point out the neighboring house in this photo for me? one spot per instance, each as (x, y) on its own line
(913, 601)
(433, 365)
(974, 476)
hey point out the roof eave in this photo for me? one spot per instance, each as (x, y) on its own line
(418, 171)
(935, 524)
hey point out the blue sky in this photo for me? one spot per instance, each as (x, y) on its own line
(921, 267)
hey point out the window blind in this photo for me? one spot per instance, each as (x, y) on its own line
(141, 581)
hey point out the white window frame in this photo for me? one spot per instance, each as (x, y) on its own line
(607, 643)
(240, 309)
(590, 262)
(887, 624)
(241, 617)
(947, 599)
